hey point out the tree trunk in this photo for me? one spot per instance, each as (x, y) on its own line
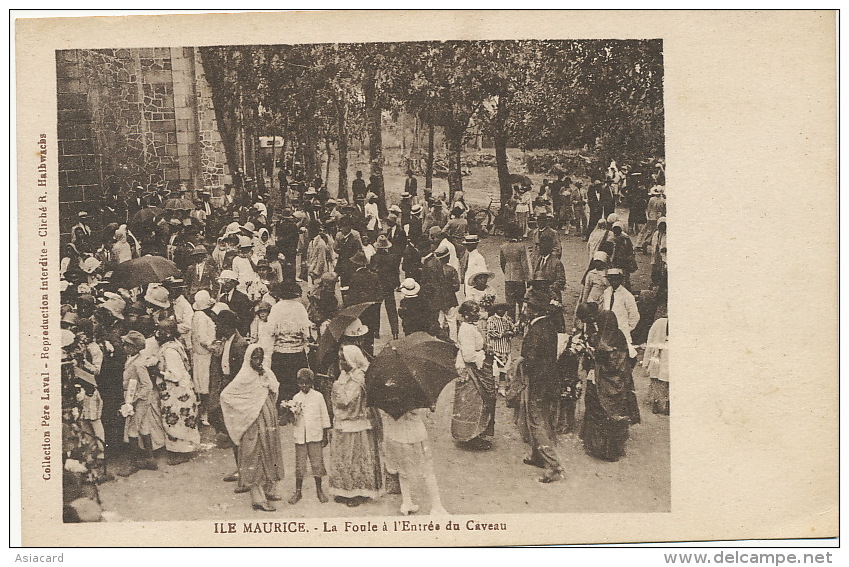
(327, 165)
(374, 115)
(342, 148)
(429, 164)
(454, 139)
(501, 139)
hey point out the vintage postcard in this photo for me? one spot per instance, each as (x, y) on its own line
(401, 278)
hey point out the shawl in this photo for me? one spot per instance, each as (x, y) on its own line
(656, 357)
(243, 398)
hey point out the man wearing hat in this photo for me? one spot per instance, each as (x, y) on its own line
(413, 226)
(436, 217)
(411, 186)
(543, 228)
(404, 209)
(183, 311)
(243, 266)
(600, 202)
(157, 298)
(202, 271)
(136, 202)
(238, 302)
(618, 299)
(319, 255)
(395, 234)
(386, 262)
(348, 244)
(411, 261)
(364, 287)
(655, 209)
(81, 232)
(577, 202)
(546, 266)
(287, 235)
(475, 262)
(440, 284)
(622, 254)
(414, 312)
(543, 382)
(291, 331)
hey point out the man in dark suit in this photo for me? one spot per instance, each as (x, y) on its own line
(539, 367)
(227, 358)
(411, 186)
(365, 287)
(440, 284)
(396, 235)
(238, 302)
(202, 272)
(601, 204)
(348, 243)
(546, 266)
(137, 201)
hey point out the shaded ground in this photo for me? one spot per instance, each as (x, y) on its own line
(471, 482)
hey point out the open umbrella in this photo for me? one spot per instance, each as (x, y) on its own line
(522, 180)
(145, 216)
(410, 373)
(140, 271)
(181, 204)
(329, 341)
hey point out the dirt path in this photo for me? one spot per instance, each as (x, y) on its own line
(471, 482)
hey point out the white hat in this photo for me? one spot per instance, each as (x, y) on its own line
(249, 226)
(91, 264)
(395, 209)
(662, 220)
(245, 242)
(232, 228)
(219, 307)
(355, 329)
(619, 225)
(68, 337)
(601, 256)
(410, 288)
(612, 218)
(228, 275)
(202, 301)
(115, 305)
(614, 272)
(157, 295)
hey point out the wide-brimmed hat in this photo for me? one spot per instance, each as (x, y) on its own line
(250, 227)
(134, 338)
(486, 273)
(662, 220)
(471, 239)
(600, 256)
(415, 209)
(382, 242)
(91, 264)
(612, 218)
(395, 209)
(614, 272)
(68, 337)
(245, 242)
(405, 195)
(228, 275)
(232, 228)
(157, 295)
(410, 288)
(359, 259)
(115, 306)
(355, 329)
(173, 282)
(199, 250)
(202, 301)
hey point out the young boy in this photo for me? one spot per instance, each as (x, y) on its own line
(499, 331)
(312, 423)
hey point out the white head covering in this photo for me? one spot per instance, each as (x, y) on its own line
(243, 398)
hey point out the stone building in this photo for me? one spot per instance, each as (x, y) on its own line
(127, 115)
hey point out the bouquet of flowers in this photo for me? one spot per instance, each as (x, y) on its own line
(289, 411)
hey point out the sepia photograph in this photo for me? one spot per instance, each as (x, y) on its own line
(426, 278)
(401, 278)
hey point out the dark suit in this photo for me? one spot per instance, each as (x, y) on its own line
(218, 380)
(600, 203)
(242, 306)
(440, 284)
(551, 269)
(364, 287)
(539, 365)
(412, 263)
(387, 265)
(206, 281)
(398, 238)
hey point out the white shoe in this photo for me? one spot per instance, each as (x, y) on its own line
(407, 509)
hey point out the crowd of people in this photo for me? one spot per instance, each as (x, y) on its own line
(224, 339)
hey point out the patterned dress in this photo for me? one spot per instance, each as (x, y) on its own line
(178, 401)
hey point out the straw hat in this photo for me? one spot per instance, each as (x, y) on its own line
(227, 275)
(115, 306)
(471, 239)
(410, 288)
(600, 256)
(355, 329)
(157, 295)
(614, 272)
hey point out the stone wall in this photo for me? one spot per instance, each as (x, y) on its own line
(127, 115)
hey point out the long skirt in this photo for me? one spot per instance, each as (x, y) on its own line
(200, 371)
(409, 460)
(146, 420)
(659, 395)
(474, 404)
(260, 449)
(604, 436)
(535, 417)
(355, 467)
(179, 407)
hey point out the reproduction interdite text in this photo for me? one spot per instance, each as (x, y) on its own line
(354, 527)
(44, 309)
